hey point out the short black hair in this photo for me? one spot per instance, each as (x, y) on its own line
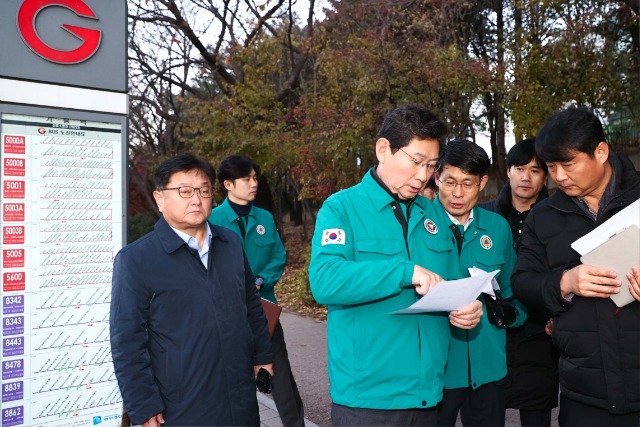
(235, 167)
(571, 130)
(182, 163)
(466, 155)
(523, 152)
(431, 183)
(406, 122)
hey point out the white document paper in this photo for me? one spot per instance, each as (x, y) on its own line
(453, 294)
(623, 219)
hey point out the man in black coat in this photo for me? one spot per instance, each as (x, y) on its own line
(598, 342)
(532, 362)
(188, 332)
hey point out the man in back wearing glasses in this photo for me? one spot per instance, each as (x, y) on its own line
(369, 259)
(188, 333)
(476, 365)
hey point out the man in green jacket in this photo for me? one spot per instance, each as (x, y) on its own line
(374, 246)
(478, 238)
(238, 176)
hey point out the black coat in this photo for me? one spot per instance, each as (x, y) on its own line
(184, 338)
(502, 205)
(599, 343)
(532, 361)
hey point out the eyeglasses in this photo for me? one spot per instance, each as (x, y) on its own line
(451, 184)
(417, 164)
(187, 192)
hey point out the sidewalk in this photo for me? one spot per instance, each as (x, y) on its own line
(306, 340)
(269, 414)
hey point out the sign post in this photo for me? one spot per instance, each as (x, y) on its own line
(63, 134)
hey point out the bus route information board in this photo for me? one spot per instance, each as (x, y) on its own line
(62, 207)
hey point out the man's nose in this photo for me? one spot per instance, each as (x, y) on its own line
(560, 174)
(423, 174)
(196, 198)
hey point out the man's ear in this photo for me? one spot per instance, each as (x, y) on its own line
(228, 184)
(508, 173)
(159, 197)
(383, 149)
(483, 182)
(436, 178)
(602, 152)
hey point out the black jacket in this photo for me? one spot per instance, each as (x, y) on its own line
(599, 343)
(184, 338)
(502, 204)
(532, 361)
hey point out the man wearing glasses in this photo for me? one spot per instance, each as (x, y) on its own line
(369, 259)
(477, 364)
(188, 332)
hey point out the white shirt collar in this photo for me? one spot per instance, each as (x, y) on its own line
(193, 243)
(456, 222)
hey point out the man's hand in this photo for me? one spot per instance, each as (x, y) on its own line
(548, 328)
(424, 279)
(634, 282)
(268, 367)
(467, 317)
(589, 281)
(155, 421)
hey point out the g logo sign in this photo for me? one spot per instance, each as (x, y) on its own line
(27, 27)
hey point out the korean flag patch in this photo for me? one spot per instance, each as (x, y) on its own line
(333, 236)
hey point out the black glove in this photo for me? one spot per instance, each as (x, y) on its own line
(500, 312)
(263, 381)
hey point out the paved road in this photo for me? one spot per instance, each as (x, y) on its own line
(306, 340)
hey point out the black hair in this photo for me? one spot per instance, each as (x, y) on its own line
(523, 152)
(431, 183)
(182, 163)
(569, 131)
(235, 167)
(406, 122)
(466, 155)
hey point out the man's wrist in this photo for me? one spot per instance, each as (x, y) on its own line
(565, 288)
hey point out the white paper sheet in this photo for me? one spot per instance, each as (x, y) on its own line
(623, 219)
(453, 294)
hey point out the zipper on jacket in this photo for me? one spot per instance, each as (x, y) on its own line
(243, 231)
(397, 212)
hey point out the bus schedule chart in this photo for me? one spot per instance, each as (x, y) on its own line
(61, 228)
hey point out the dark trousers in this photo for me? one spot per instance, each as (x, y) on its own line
(576, 414)
(482, 407)
(285, 390)
(535, 418)
(347, 416)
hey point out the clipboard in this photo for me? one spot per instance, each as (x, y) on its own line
(272, 312)
(619, 253)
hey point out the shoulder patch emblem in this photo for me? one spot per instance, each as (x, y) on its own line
(333, 236)
(486, 242)
(260, 229)
(430, 226)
